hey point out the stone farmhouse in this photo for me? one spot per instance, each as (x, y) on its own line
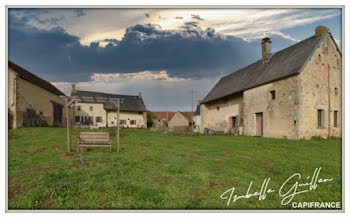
(33, 101)
(294, 93)
(162, 118)
(181, 120)
(95, 113)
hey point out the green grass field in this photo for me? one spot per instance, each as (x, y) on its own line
(156, 170)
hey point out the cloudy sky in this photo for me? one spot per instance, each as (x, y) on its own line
(163, 53)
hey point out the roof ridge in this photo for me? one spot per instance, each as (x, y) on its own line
(284, 63)
(105, 93)
(46, 84)
(259, 60)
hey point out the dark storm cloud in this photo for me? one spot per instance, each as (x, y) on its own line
(197, 17)
(113, 41)
(79, 12)
(190, 52)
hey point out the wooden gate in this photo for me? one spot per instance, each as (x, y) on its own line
(259, 124)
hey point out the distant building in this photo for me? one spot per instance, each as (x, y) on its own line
(33, 101)
(181, 120)
(197, 118)
(94, 112)
(294, 93)
(162, 118)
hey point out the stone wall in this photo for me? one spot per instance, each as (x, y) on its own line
(280, 115)
(215, 115)
(31, 96)
(97, 111)
(139, 117)
(197, 123)
(321, 88)
(12, 98)
(109, 118)
(178, 120)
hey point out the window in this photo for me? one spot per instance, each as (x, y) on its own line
(91, 108)
(335, 118)
(336, 91)
(41, 113)
(273, 95)
(123, 122)
(77, 118)
(112, 122)
(217, 108)
(140, 112)
(79, 108)
(98, 119)
(132, 122)
(320, 118)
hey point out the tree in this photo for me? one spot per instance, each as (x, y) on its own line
(150, 117)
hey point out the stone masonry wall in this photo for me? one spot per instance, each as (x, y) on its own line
(34, 97)
(280, 116)
(178, 120)
(321, 88)
(218, 118)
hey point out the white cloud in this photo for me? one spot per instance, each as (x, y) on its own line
(248, 24)
(141, 76)
(159, 90)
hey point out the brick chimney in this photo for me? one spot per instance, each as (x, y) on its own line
(266, 49)
(73, 88)
(140, 95)
(320, 31)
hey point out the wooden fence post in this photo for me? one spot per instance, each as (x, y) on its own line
(67, 125)
(118, 123)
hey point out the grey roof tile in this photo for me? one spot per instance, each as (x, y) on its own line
(26, 75)
(284, 63)
(127, 102)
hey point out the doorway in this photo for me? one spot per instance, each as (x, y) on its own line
(57, 114)
(259, 121)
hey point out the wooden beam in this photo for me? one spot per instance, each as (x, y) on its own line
(72, 101)
(67, 125)
(116, 105)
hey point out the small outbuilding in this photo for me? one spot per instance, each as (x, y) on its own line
(33, 101)
(181, 120)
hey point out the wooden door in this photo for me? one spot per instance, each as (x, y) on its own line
(259, 124)
(233, 122)
(29, 118)
(57, 114)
